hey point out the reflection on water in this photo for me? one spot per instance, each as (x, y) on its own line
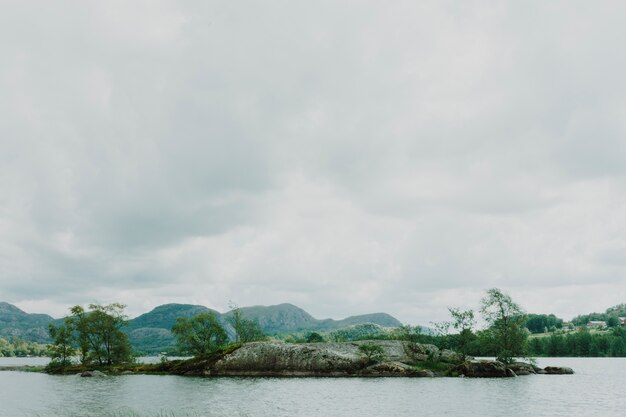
(595, 389)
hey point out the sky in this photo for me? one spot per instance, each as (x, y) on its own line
(348, 157)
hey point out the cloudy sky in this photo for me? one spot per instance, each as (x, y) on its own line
(345, 156)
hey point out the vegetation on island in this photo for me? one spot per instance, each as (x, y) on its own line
(94, 334)
(372, 353)
(506, 319)
(246, 330)
(199, 335)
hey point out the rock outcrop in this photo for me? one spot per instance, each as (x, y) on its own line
(558, 370)
(522, 368)
(398, 359)
(263, 358)
(482, 369)
(317, 359)
(496, 369)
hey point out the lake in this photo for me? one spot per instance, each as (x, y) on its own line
(595, 390)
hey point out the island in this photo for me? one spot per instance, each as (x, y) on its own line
(369, 358)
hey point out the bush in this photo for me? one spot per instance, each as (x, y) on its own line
(372, 353)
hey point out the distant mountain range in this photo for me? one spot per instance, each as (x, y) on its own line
(150, 332)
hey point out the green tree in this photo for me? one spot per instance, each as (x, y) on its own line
(506, 322)
(99, 334)
(463, 322)
(612, 321)
(246, 330)
(314, 337)
(199, 335)
(61, 349)
(372, 353)
(78, 321)
(540, 323)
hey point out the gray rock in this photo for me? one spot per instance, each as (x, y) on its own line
(510, 373)
(558, 370)
(424, 373)
(291, 359)
(389, 369)
(482, 369)
(324, 359)
(522, 368)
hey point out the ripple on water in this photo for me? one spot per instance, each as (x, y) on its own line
(595, 389)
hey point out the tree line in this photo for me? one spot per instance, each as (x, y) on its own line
(580, 343)
(17, 347)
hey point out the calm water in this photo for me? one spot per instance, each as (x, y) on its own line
(595, 390)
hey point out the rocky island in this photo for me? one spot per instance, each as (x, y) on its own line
(346, 359)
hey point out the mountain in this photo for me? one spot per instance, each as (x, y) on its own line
(151, 332)
(279, 318)
(17, 323)
(164, 316)
(286, 318)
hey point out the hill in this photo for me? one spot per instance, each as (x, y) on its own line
(278, 318)
(150, 332)
(17, 323)
(288, 318)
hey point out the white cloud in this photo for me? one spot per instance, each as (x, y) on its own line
(344, 156)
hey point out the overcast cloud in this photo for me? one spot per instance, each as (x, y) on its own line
(344, 156)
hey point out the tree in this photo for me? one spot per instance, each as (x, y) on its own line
(463, 322)
(540, 323)
(372, 353)
(314, 337)
(61, 349)
(199, 335)
(78, 322)
(506, 321)
(612, 321)
(99, 334)
(246, 330)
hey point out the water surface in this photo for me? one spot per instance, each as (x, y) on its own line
(595, 389)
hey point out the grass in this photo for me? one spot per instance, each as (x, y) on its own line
(437, 367)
